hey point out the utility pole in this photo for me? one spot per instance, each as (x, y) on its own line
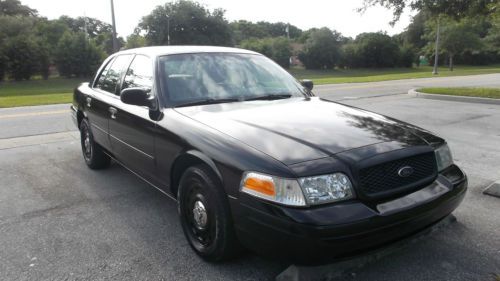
(85, 28)
(115, 43)
(436, 52)
(168, 31)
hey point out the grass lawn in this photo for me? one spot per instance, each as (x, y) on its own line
(38, 92)
(493, 93)
(373, 75)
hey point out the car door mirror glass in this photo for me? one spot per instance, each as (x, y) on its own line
(137, 96)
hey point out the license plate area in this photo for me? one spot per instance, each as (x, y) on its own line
(414, 199)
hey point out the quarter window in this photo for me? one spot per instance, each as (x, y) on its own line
(139, 74)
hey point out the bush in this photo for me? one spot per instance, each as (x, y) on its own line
(277, 49)
(321, 49)
(76, 55)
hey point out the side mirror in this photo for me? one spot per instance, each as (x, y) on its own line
(137, 96)
(308, 84)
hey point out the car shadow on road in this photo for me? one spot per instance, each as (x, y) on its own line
(149, 221)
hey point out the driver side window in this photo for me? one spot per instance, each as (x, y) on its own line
(139, 74)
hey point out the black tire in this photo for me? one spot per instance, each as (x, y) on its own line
(93, 153)
(211, 235)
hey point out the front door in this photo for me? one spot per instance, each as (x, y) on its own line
(131, 129)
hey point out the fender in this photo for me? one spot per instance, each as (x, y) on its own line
(186, 159)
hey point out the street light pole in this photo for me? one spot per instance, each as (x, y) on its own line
(436, 55)
(115, 43)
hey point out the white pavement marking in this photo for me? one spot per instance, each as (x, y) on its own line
(38, 139)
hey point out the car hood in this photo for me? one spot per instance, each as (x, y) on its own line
(303, 129)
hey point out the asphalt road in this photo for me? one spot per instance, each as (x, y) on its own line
(61, 221)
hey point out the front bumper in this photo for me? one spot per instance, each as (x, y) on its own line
(338, 230)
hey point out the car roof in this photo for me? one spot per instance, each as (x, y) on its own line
(169, 50)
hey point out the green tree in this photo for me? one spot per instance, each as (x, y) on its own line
(12, 26)
(187, 22)
(51, 31)
(492, 38)
(22, 54)
(76, 55)
(43, 58)
(455, 37)
(454, 8)
(135, 41)
(15, 8)
(278, 49)
(377, 50)
(413, 35)
(322, 49)
(3, 63)
(95, 29)
(244, 30)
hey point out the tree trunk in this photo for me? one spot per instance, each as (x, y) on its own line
(451, 62)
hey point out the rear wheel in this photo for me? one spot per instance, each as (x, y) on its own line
(93, 153)
(205, 216)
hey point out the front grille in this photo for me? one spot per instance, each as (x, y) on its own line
(383, 179)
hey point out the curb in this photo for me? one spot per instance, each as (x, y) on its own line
(416, 94)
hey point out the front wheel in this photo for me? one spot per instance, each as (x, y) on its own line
(205, 216)
(93, 153)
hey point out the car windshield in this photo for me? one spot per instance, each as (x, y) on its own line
(203, 78)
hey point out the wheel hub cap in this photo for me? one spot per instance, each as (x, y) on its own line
(87, 144)
(200, 215)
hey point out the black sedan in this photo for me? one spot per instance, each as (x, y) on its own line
(256, 161)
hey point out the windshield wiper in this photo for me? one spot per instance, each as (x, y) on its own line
(270, 97)
(207, 101)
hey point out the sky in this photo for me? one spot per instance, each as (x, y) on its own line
(335, 14)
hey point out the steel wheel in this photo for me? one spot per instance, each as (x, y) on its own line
(93, 154)
(205, 217)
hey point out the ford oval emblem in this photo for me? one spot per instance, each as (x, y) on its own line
(405, 171)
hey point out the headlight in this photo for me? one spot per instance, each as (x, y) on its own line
(443, 157)
(326, 188)
(298, 192)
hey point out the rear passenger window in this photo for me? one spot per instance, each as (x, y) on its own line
(102, 76)
(112, 79)
(139, 74)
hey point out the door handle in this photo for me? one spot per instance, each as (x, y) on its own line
(89, 101)
(113, 112)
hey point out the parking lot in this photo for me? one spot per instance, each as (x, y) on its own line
(61, 221)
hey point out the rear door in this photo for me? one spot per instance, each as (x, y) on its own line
(131, 128)
(97, 110)
(103, 94)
